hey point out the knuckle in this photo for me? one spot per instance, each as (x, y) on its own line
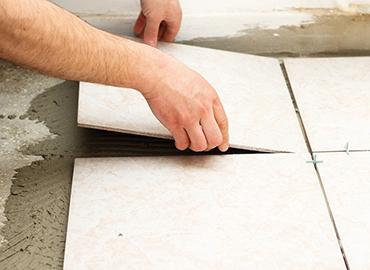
(204, 110)
(152, 14)
(215, 141)
(217, 103)
(171, 125)
(187, 120)
(216, 99)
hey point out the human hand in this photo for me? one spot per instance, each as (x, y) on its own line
(188, 106)
(158, 20)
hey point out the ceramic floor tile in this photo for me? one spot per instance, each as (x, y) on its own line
(347, 183)
(333, 96)
(204, 212)
(252, 89)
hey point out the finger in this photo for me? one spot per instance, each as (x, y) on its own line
(140, 24)
(181, 138)
(151, 32)
(162, 30)
(212, 131)
(223, 124)
(198, 141)
(171, 31)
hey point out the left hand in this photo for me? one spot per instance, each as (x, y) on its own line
(158, 20)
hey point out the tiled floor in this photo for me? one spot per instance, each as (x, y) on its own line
(347, 182)
(333, 96)
(261, 211)
(252, 88)
(232, 212)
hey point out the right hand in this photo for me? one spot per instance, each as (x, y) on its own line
(189, 107)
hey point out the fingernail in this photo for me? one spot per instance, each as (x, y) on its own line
(223, 148)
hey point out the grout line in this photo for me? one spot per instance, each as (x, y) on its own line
(332, 217)
(294, 101)
(304, 133)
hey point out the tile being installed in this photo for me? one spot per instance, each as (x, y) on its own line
(333, 96)
(204, 212)
(252, 89)
(347, 183)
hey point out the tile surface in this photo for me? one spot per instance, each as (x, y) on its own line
(333, 95)
(347, 183)
(209, 212)
(252, 89)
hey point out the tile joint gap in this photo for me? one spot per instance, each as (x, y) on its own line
(304, 133)
(295, 105)
(339, 240)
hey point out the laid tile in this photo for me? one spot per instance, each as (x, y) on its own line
(347, 183)
(252, 89)
(333, 96)
(201, 212)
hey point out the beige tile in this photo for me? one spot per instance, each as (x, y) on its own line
(333, 96)
(347, 183)
(252, 89)
(204, 212)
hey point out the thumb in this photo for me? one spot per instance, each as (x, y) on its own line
(151, 32)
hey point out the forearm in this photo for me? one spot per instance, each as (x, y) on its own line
(42, 36)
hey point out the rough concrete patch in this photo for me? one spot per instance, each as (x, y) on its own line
(19, 86)
(37, 216)
(8, 165)
(37, 207)
(329, 34)
(16, 133)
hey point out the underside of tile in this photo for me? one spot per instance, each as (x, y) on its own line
(252, 89)
(209, 212)
(347, 183)
(333, 97)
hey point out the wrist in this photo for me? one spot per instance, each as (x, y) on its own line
(148, 69)
(134, 65)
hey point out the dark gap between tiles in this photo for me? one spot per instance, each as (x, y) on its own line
(304, 133)
(103, 143)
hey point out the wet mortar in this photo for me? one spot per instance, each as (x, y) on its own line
(37, 208)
